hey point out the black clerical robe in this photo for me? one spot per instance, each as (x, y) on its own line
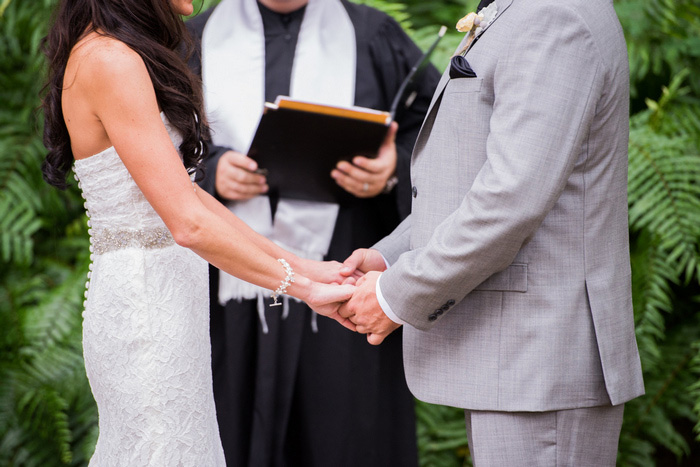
(298, 397)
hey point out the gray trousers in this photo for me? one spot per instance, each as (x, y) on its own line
(575, 437)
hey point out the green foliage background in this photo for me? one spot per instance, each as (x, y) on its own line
(47, 414)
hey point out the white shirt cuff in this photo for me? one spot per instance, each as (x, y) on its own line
(385, 261)
(385, 306)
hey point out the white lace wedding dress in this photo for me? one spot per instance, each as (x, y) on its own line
(145, 329)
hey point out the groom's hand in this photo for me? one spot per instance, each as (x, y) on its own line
(362, 261)
(364, 312)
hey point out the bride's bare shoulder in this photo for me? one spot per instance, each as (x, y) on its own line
(104, 80)
(99, 59)
(97, 47)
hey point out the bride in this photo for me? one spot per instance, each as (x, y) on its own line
(123, 111)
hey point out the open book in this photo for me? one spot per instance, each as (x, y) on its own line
(298, 143)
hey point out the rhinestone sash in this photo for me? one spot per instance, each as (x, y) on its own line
(105, 240)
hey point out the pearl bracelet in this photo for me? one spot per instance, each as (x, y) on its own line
(282, 289)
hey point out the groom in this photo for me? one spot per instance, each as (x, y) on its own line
(512, 273)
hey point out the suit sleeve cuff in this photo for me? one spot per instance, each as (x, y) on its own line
(385, 306)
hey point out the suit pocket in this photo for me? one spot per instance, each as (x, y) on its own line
(462, 85)
(511, 279)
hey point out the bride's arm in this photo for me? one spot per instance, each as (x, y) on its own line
(328, 271)
(122, 97)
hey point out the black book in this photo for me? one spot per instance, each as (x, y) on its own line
(298, 143)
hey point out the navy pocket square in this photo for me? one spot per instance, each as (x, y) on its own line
(460, 68)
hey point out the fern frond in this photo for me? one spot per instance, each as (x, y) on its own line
(662, 39)
(651, 421)
(57, 316)
(664, 194)
(18, 222)
(695, 387)
(47, 415)
(441, 434)
(652, 280)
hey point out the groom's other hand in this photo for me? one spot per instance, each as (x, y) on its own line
(364, 311)
(362, 261)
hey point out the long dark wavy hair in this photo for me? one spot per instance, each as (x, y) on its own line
(153, 30)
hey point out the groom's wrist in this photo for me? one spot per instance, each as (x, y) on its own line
(386, 308)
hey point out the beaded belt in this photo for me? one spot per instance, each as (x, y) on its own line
(105, 240)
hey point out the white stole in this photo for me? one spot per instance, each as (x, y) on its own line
(233, 74)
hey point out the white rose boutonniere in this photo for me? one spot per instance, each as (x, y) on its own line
(477, 22)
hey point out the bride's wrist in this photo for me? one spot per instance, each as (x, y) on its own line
(294, 284)
(301, 288)
(301, 265)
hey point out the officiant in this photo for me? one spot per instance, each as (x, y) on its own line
(291, 387)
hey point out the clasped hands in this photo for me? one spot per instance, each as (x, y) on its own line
(362, 312)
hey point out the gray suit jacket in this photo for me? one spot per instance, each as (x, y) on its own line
(513, 269)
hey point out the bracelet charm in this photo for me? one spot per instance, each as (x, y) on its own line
(288, 280)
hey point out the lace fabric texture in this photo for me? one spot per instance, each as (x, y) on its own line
(145, 331)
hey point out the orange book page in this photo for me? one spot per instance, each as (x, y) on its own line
(357, 113)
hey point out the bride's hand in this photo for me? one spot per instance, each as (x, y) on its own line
(327, 272)
(325, 299)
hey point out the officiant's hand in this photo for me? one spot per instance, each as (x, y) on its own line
(365, 177)
(235, 179)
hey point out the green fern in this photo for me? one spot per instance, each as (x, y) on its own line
(442, 439)
(651, 421)
(47, 415)
(664, 195)
(664, 211)
(663, 37)
(652, 280)
(694, 388)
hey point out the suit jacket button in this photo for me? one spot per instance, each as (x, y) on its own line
(415, 191)
(439, 312)
(445, 307)
(450, 302)
(432, 318)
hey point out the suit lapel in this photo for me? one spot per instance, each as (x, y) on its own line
(442, 83)
(502, 6)
(429, 116)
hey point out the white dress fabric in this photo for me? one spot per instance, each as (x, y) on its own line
(145, 329)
